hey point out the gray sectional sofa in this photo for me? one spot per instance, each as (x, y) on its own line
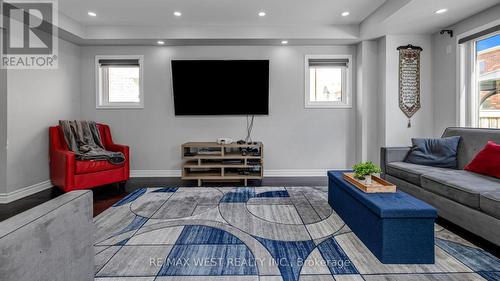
(467, 199)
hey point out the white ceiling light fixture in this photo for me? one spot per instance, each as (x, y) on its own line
(160, 42)
(345, 14)
(440, 11)
(262, 14)
(92, 14)
(177, 14)
(284, 42)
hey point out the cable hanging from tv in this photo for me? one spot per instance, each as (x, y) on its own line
(248, 138)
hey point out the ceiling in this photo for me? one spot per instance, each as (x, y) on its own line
(218, 12)
(418, 17)
(320, 22)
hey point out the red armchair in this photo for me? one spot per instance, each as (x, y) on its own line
(69, 174)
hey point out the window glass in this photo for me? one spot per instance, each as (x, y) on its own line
(123, 84)
(488, 81)
(325, 84)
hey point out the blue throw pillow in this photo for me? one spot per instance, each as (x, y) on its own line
(434, 152)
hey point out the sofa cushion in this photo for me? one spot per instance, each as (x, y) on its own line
(410, 172)
(487, 161)
(441, 152)
(90, 166)
(489, 202)
(461, 186)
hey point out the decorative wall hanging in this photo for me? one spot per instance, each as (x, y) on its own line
(409, 80)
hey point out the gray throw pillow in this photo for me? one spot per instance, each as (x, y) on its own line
(434, 152)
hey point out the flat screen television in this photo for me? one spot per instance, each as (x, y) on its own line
(221, 87)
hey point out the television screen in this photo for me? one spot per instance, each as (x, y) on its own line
(221, 87)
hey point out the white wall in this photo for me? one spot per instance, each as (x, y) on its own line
(360, 120)
(3, 130)
(367, 112)
(381, 63)
(445, 66)
(372, 96)
(37, 99)
(380, 121)
(444, 86)
(294, 138)
(422, 123)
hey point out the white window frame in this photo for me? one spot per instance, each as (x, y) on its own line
(468, 74)
(102, 100)
(346, 84)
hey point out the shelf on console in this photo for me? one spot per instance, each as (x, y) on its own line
(222, 161)
(216, 145)
(194, 165)
(226, 156)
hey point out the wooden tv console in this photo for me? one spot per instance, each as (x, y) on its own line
(210, 161)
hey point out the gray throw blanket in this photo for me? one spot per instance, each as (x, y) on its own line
(84, 139)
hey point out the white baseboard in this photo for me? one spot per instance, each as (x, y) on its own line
(23, 192)
(267, 173)
(155, 173)
(296, 173)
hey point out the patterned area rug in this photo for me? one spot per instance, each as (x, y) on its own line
(262, 233)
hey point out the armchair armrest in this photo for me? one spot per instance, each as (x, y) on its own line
(392, 154)
(118, 148)
(62, 168)
(62, 156)
(126, 151)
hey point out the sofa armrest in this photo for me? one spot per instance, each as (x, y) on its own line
(62, 168)
(392, 154)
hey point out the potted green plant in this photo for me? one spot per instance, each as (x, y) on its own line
(363, 171)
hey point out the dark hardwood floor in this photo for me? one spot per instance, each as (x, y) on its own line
(106, 196)
(21, 205)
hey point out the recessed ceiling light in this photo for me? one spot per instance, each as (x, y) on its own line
(440, 11)
(92, 14)
(345, 14)
(177, 14)
(160, 42)
(262, 14)
(284, 42)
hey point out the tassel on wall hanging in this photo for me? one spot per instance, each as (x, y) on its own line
(409, 80)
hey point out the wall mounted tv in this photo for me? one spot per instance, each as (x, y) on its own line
(221, 87)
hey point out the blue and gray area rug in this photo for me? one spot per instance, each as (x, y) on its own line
(261, 234)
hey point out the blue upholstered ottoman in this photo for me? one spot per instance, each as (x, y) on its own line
(396, 227)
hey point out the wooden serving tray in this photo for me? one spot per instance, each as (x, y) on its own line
(378, 185)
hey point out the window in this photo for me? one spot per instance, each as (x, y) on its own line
(487, 84)
(327, 80)
(119, 82)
